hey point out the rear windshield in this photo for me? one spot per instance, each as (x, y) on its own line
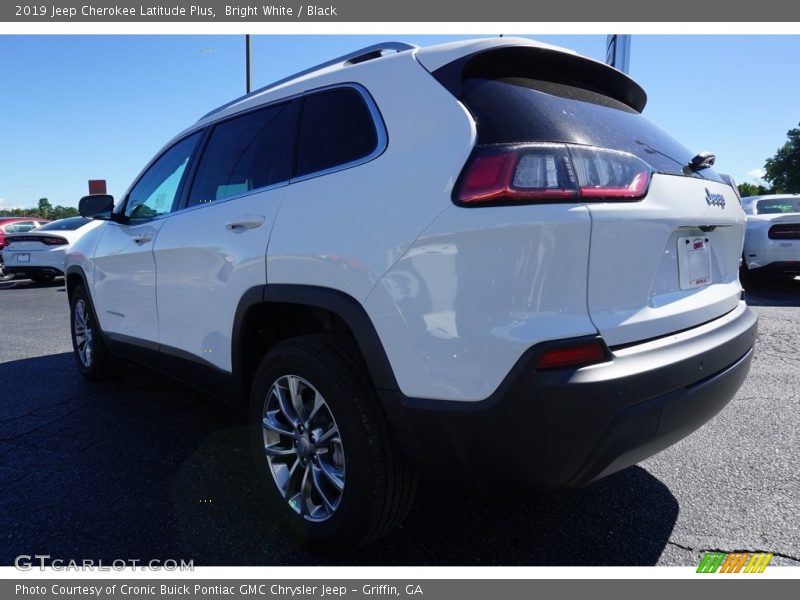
(775, 206)
(516, 109)
(69, 224)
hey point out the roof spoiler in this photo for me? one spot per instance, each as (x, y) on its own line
(543, 63)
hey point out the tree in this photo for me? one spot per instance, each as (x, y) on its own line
(45, 208)
(62, 212)
(783, 169)
(751, 189)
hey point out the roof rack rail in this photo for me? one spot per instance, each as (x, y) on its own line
(352, 58)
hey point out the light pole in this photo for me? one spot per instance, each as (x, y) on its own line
(247, 62)
(618, 52)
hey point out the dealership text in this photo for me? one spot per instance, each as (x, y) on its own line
(184, 589)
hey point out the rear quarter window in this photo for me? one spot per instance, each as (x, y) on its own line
(336, 128)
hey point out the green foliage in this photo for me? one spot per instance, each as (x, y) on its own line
(44, 210)
(751, 189)
(45, 207)
(783, 169)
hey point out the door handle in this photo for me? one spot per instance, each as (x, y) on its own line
(243, 222)
(141, 238)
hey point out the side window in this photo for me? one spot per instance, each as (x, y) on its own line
(155, 192)
(336, 128)
(20, 227)
(245, 153)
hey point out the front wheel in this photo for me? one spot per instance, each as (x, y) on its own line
(322, 446)
(94, 360)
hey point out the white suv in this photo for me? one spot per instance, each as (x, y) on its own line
(476, 257)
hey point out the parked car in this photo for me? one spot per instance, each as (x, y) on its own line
(40, 253)
(772, 239)
(15, 225)
(477, 258)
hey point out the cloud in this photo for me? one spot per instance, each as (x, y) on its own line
(7, 205)
(757, 175)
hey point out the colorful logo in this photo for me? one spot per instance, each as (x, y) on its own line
(735, 562)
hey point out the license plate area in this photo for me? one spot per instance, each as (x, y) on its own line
(694, 262)
(23, 258)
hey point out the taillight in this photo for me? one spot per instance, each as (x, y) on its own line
(54, 241)
(784, 231)
(542, 173)
(578, 354)
(47, 240)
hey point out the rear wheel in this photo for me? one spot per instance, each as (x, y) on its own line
(94, 360)
(5, 275)
(322, 446)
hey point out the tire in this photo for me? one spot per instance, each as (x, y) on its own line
(94, 360)
(5, 275)
(377, 482)
(748, 278)
(41, 277)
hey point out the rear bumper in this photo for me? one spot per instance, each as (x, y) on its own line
(762, 253)
(44, 262)
(564, 428)
(45, 270)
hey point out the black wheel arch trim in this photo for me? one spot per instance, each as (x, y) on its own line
(339, 303)
(77, 270)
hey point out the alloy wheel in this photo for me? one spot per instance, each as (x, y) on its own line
(82, 329)
(304, 448)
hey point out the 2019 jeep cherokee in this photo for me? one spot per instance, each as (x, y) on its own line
(475, 256)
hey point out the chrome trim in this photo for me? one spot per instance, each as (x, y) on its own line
(380, 147)
(267, 188)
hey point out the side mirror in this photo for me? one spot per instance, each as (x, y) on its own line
(96, 206)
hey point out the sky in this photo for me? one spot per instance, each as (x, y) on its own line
(74, 108)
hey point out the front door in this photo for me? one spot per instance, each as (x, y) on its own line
(124, 293)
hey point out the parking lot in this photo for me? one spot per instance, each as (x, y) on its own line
(147, 468)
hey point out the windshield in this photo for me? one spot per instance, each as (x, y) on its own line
(516, 109)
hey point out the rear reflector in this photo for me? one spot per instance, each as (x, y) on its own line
(580, 354)
(542, 173)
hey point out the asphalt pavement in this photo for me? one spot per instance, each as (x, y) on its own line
(147, 468)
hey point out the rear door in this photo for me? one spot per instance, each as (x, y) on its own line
(209, 253)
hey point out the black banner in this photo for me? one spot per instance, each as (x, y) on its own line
(497, 11)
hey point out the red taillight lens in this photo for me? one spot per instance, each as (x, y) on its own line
(488, 177)
(54, 241)
(551, 173)
(579, 354)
